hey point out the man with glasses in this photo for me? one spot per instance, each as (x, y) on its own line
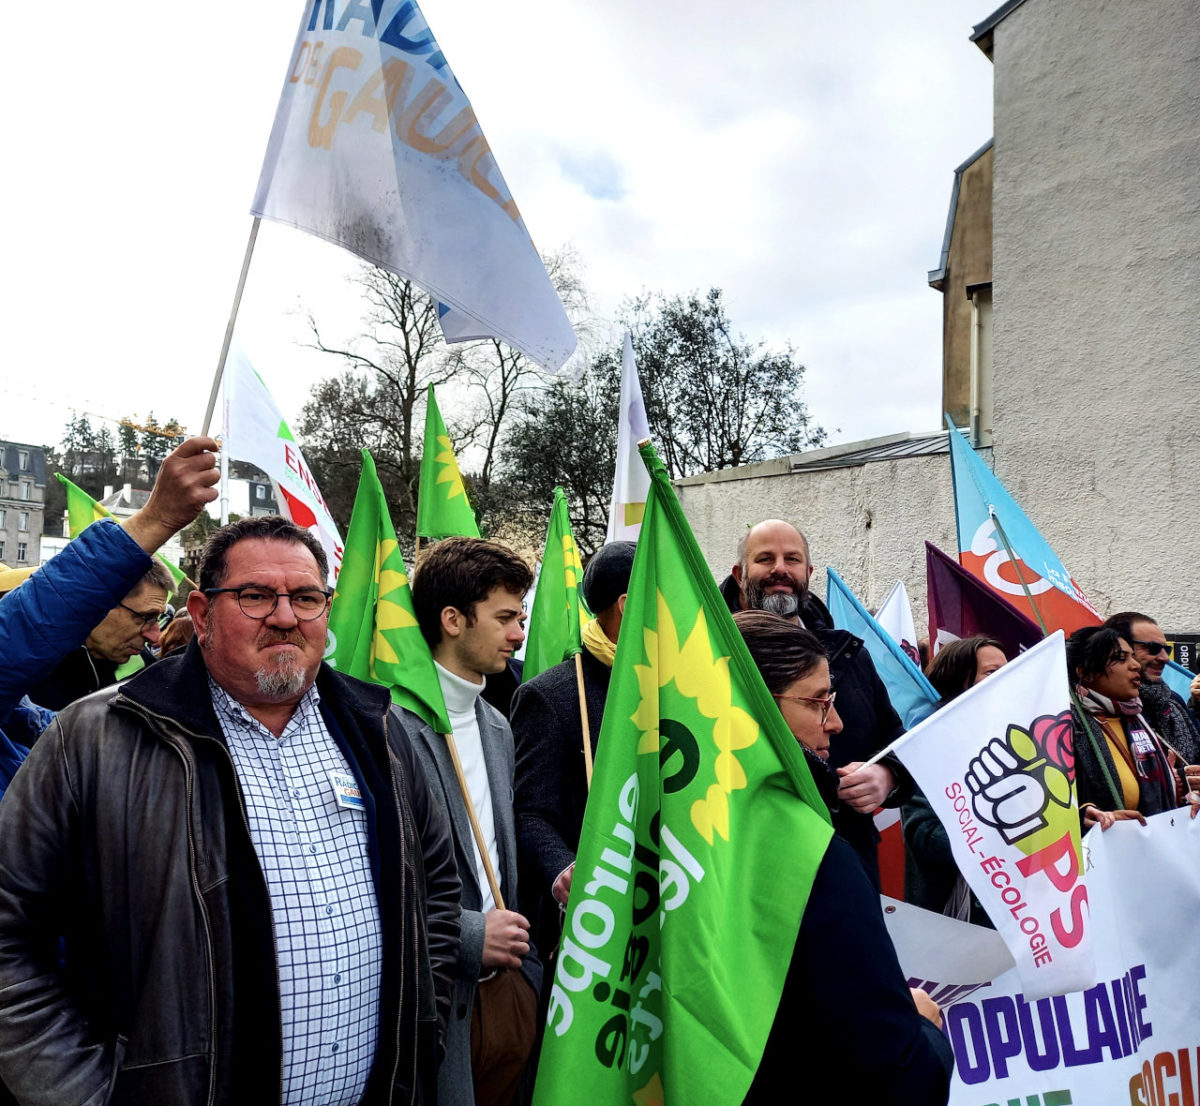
(127, 630)
(772, 574)
(256, 895)
(1164, 710)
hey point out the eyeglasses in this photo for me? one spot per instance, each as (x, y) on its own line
(825, 704)
(1154, 647)
(259, 602)
(146, 618)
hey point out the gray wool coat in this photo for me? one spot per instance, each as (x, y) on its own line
(455, 1087)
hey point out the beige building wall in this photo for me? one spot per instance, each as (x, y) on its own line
(966, 265)
(1096, 344)
(870, 522)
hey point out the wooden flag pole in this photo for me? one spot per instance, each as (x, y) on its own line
(583, 718)
(476, 829)
(237, 302)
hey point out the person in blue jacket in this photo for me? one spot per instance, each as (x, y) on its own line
(53, 610)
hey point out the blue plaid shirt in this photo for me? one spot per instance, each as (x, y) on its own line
(314, 855)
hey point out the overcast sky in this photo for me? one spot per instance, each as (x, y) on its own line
(798, 155)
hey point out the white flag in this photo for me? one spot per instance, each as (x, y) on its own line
(896, 617)
(256, 432)
(376, 147)
(631, 484)
(997, 765)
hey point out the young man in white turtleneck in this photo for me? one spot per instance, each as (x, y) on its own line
(467, 595)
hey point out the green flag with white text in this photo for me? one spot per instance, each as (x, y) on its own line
(702, 836)
(83, 510)
(443, 510)
(554, 620)
(373, 632)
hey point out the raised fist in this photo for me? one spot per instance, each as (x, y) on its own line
(1006, 793)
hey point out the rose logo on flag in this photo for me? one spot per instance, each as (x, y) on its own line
(1023, 785)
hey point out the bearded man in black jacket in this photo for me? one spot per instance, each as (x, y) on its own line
(772, 573)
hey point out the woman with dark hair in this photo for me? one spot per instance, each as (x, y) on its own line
(931, 877)
(846, 1007)
(794, 667)
(1122, 768)
(959, 665)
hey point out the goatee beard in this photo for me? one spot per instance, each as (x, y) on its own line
(285, 681)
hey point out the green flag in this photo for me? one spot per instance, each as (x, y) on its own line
(83, 510)
(373, 632)
(554, 620)
(701, 839)
(443, 510)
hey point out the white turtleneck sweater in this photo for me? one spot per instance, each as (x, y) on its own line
(460, 696)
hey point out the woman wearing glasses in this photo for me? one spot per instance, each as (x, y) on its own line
(846, 1007)
(1123, 770)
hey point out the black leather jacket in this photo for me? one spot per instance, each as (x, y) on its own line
(125, 836)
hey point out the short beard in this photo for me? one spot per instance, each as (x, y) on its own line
(786, 604)
(286, 681)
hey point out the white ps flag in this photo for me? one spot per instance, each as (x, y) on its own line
(256, 432)
(376, 148)
(997, 766)
(631, 484)
(896, 617)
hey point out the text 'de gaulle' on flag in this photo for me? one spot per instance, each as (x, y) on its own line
(443, 510)
(896, 617)
(961, 606)
(376, 148)
(980, 502)
(911, 693)
(83, 510)
(256, 431)
(630, 482)
(554, 623)
(997, 765)
(685, 905)
(373, 632)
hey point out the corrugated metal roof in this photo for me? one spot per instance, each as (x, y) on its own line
(894, 448)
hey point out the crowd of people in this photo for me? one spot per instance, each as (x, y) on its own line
(242, 876)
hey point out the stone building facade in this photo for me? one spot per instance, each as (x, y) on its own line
(22, 503)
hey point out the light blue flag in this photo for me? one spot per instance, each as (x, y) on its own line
(911, 693)
(980, 503)
(1178, 679)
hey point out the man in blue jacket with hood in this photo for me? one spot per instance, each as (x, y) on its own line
(54, 609)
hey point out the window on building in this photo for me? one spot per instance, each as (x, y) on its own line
(22, 552)
(23, 460)
(1, 550)
(26, 490)
(3, 519)
(22, 520)
(260, 491)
